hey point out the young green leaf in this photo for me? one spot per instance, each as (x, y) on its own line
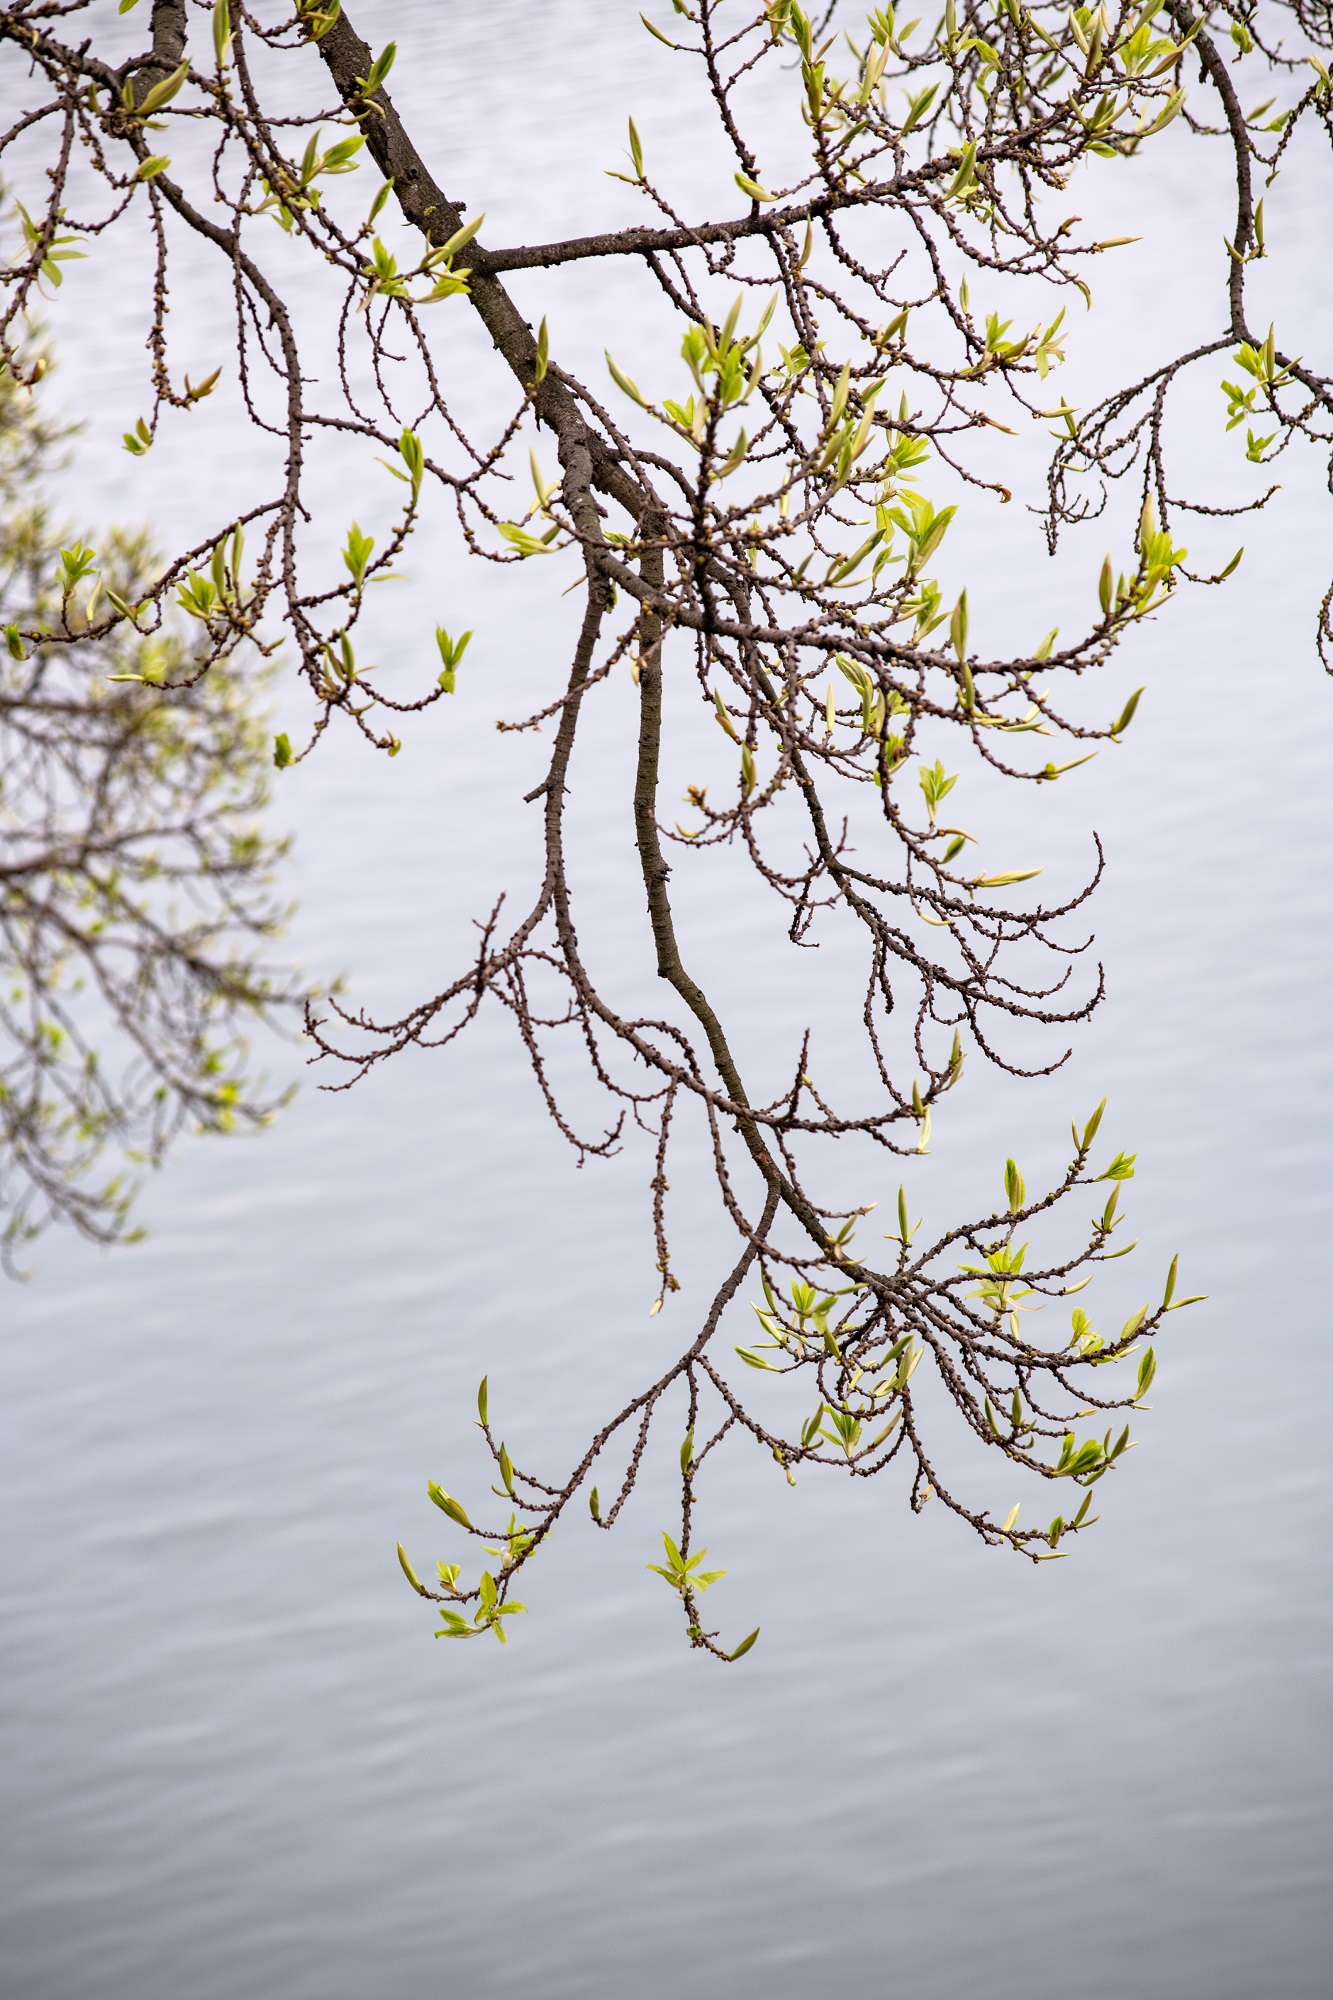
(410, 1573)
(623, 382)
(1126, 715)
(1005, 880)
(447, 1504)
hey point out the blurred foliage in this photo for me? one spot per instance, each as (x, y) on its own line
(136, 893)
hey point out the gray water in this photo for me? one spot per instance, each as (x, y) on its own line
(238, 1767)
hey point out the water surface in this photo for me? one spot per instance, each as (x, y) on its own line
(237, 1765)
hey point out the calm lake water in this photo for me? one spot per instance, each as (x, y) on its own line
(236, 1764)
